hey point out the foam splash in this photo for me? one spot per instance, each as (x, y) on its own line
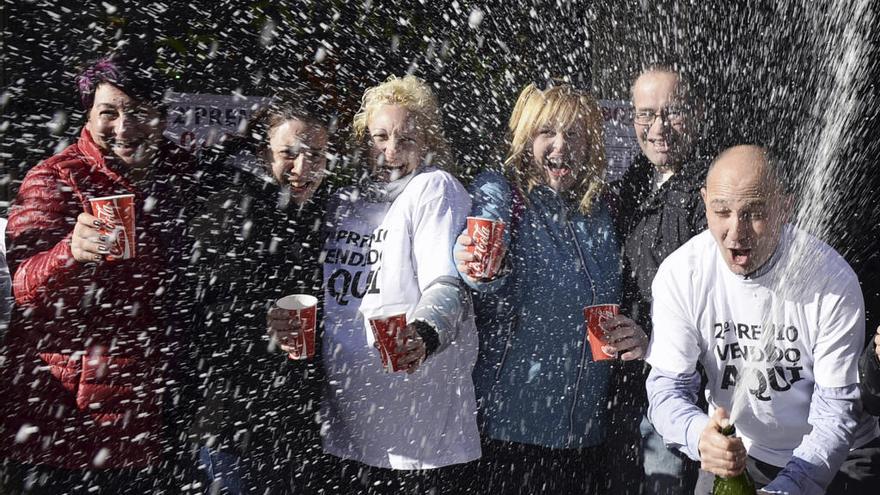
(840, 44)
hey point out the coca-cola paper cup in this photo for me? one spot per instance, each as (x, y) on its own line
(304, 308)
(385, 332)
(487, 237)
(117, 215)
(593, 316)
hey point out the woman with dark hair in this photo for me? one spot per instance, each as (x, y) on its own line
(90, 353)
(260, 238)
(389, 254)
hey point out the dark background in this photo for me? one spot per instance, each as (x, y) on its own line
(762, 69)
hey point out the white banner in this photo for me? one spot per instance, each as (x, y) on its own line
(196, 119)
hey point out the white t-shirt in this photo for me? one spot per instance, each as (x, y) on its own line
(395, 420)
(815, 313)
(660, 178)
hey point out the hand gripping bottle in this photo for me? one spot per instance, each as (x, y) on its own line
(741, 484)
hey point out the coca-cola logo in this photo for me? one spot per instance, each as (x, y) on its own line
(117, 219)
(107, 214)
(482, 233)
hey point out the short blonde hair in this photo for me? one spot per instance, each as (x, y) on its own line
(411, 93)
(559, 105)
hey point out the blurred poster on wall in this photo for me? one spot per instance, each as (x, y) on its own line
(197, 119)
(621, 145)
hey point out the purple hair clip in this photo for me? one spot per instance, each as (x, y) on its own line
(103, 70)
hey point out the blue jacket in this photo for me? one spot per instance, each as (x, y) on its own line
(535, 378)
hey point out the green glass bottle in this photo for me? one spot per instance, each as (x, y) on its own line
(741, 484)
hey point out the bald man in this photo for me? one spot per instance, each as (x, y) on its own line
(763, 305)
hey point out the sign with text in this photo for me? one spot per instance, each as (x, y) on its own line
(196, 119)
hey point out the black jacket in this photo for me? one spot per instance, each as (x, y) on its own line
(252, 251)
(651, 225)
(869, 380)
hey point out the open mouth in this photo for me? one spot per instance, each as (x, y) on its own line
(125, 143)
(559, 173)
(128, 147)
(393, 172)
(740, 257)
(300, 187)
(557, 168)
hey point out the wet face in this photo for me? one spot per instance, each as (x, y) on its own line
(298, 157)
(397, 146)
(561, 153)
(661, 119)
(125, 129)
(745, 209)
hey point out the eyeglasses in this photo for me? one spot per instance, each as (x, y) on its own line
(672, 115)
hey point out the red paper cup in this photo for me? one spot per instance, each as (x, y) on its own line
(117, 215)
(487, 237)
(593, 316)
(304, 308)
(385, 332)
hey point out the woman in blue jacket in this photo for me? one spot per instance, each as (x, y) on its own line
(543, 400)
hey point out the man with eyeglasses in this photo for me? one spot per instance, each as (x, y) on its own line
(656, 207)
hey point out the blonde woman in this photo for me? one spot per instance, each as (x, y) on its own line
(390, 252)
(543, 399)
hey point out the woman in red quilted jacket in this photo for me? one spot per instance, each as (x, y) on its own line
(89, 352)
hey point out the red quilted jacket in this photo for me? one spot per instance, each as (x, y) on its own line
(88, 348)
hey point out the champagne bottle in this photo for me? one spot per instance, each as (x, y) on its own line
(741, 484)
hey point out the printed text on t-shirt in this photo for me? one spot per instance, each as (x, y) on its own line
(736, 343)
(353, 250)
